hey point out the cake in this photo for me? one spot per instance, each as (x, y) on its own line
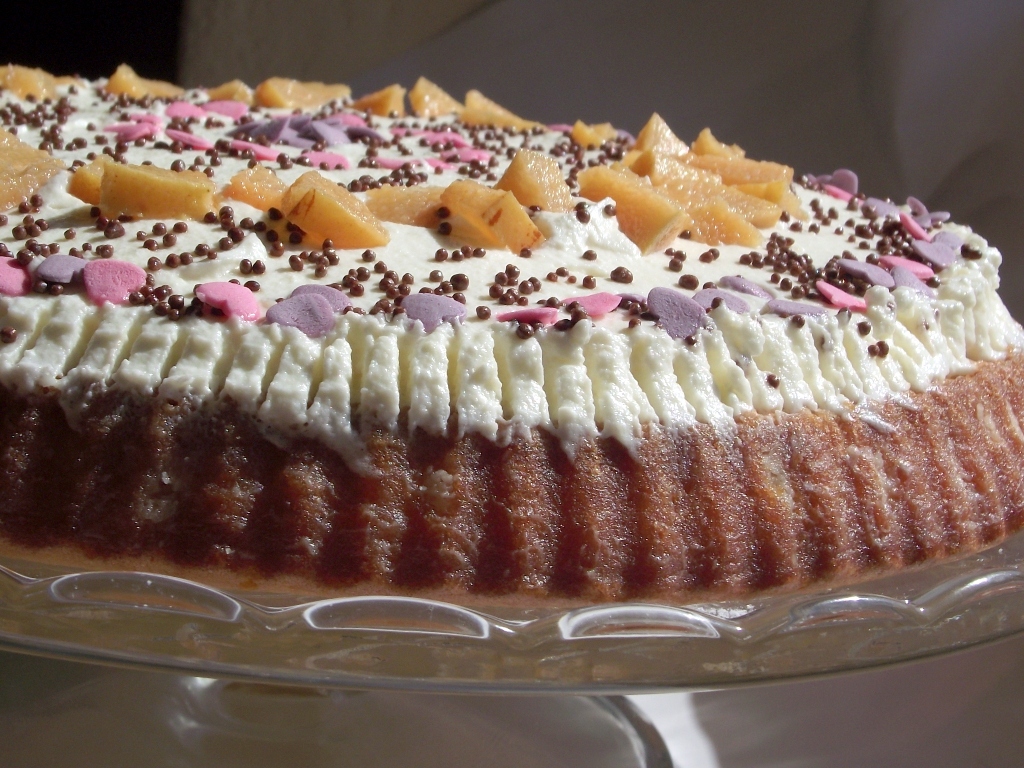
(286, 337)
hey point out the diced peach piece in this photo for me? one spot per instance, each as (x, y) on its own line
(25, 81)
(663, 169)
(430, 100)
(151, 192)
(593, 135)
(86, 181)
(233, 90)
(293, 94)
(23, 169)
(126, 81)
(468, 201)
(646, 217)
(385, 102)
(536, 179)
(658, 136)
(690, 186)
(512, 224)
(791, 204)
(480, 110)
(627, 160)
(416, 206)
(326, 211)
(755, 177)
(715, 223)
(258, 186)
(707, 144)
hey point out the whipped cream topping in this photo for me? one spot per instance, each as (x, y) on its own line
(610, 375)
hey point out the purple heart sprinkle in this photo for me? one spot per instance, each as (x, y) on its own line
(786, 308)
(949, 239)
(329, 134)
(678, 314)
(310, 313)
(881, 208)
(432, 310)
(917, 208)
(635, 297)
(935, 255)
(359, 132)
(338, 300)
(741, 284)
(845, 179)
(706, 298)
(861, 269)
(904, 278)
(61, 268)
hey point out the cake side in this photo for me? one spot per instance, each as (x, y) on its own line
(782, 502)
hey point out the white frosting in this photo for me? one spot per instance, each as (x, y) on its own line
(598, 378)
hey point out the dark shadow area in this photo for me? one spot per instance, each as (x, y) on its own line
(91, 39)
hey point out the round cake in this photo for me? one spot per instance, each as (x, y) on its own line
(287, 337)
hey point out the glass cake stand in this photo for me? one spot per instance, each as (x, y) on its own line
(411, 644)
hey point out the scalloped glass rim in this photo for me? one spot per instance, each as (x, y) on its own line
(417, 644)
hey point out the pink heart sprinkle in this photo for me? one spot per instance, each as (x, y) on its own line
(345, 118)
(920, 271)
(393, 163)
(232, 299)
(184, 109)
(842, 194)
(128, 132)
(14, 278)
(840, 298)
(144, 117)
(110, 281)
(596, 304)
(228, 108)
(433, 162)
(333, 160)
(189, 139)
(561, 127)
(258, 150)
(916, 230)
(542, 315)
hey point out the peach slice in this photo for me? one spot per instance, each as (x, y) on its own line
(23, 169)
(258, 186)
(126, 81)
(293, 94)
(536, 179)
(715, 223)
(480, 110)
(690, 186)
(791, 204)
(512, 224)
(416, 206)
(233, 90)
(430, 100)
(658, 136)
(385, 102)
(85, 182)
(151, 192)
(646, 217)
(25, 81)
(591, 136)
(488, 217)
(468, 201)
(326, 211)
(755, 177)
(707, 144)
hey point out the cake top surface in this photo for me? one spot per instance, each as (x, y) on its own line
(322, 261)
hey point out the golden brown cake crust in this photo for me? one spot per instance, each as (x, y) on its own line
(780, 502)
